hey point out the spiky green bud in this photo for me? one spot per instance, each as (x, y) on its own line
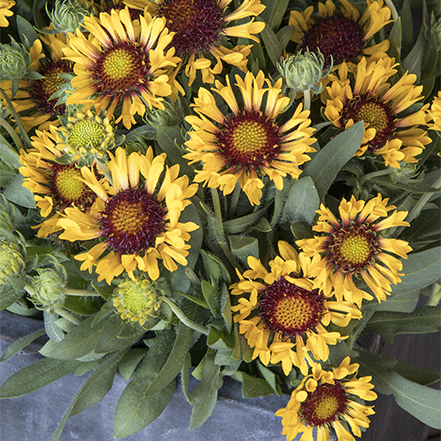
(303, 71)
(14, 61)
(12, 262)
(48, 289)
(170, 116)
(67, 15)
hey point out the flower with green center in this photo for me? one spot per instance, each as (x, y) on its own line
(247, 142)
(67, 15)
(368, 96)
(12, 259)
(342, 36)
(328, 402)
(86, 137)
(136, 219)
(283, 313)
(5, 11)
(47, 292)
(202, 29)
(33, 98)
(55, 186)
(138, 299)
(352, 247)
(14, 61)
(126, 64)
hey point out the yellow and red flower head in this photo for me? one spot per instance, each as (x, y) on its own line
(247, 142)
(135, 219)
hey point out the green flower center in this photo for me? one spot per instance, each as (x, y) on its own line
(67, 184)
(287, 308)
(249, 140)
(137, 299)
(324, 405)
(86, 134)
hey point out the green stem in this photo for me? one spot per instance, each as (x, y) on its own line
(183, 318)
(80, 292)
(12, 133)
(234, 200)
(307, 99)
(392, 9)
(67, 315)
(373, 174)
(25, 136)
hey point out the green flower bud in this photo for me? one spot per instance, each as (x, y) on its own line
(137, 300)
(86, 137)
(435, 30)
(67, 15)
(12, 262)
(14, 61)
(304, 71)
(48, 289)
(170, 116)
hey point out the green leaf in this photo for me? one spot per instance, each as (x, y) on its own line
(326, 164)
(277, 13)
(302, 203)
(420, 401)
(253, 387)
(78, 342)
(272, 44)
(430, 58)
(417, 374)
(427, 224)
(15, 192)
(387, 324)
(137, 411)
(9, 295)
(398, 302)
(130, 361)
(243, 246)
(211, 296)
(110, 339)
(174, 362)
(239, 225)
(270, 377)
(204, 397)
(25, 28)
(98, 384)
(20, 344)
(284, 36)
(420, 270)
(52, 330)
(9, 156)
(35, 376)
(407, 24)
(395, 37)
(412, 62)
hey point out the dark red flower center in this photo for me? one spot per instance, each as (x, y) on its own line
(121, 68)
(352, 248)
(249, 140)
(197, 24)
(287, 308)
(41, 90)
(374, 113)
(68, 187)
(324, 405)
(132, 220)
(339, 37)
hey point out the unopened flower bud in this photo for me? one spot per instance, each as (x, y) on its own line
(48, 290)
(14, 61)
(304, 71)
(11, 260)
(67, 15)
(138, 300)
(170, 116)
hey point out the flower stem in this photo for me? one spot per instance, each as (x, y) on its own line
(25, 136)
(67, 315)
(359, 328)
(307, 99)
(183, 318)
(234, 200)
(80, 292)
(392, 9)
